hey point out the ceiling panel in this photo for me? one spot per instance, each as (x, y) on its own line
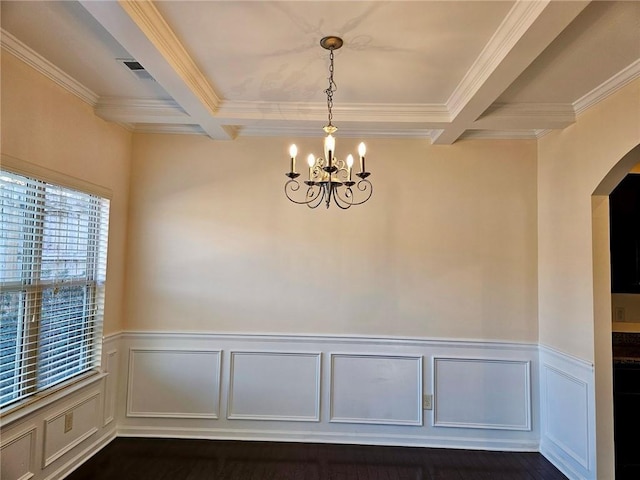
(394, 52)
(602, 40)
(66, 35)
(428, 69)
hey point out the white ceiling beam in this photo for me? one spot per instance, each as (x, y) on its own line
(526, 31)
(132, 111)
(141, 30)
(510, 134)
(522, 116)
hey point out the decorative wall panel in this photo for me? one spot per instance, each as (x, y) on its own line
(69, 428)
(274, 386)
(566, 420)
(174, 383)
(109, 407)
(379, 389)
(482, 393)
(567, 413)
(17, 454)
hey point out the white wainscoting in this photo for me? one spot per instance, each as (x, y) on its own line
(377, 389)
(317, 388)
(110, 386)
(567, 413)
(269, 385)
(34, 444)
(17, 455)
(482, 393)
(173, 383)
(57, 441)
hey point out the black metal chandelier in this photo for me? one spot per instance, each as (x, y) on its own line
(330, 178)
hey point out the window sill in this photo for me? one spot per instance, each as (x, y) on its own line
(14, 412)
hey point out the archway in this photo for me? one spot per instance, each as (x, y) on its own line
(602, 307)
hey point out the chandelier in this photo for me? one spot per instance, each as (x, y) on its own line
(330, 179)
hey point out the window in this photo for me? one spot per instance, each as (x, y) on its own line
(53, 248)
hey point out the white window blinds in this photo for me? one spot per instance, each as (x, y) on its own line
(53, 249)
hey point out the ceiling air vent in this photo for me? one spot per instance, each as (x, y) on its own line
(135, 68)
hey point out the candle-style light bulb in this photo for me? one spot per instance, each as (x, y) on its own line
(362, 150)
(293, 152)
(329, 148)
(349, 164)
(331, 143)
(311, 161)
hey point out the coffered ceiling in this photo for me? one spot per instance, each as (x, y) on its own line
(440, 70)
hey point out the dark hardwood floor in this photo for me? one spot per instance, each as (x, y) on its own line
(167, 459)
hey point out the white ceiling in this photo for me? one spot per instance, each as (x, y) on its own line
(440, 70)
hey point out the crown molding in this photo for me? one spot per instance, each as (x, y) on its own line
(179, 129)
(543, 133)
(305, 131)
(513, 27)
(412, 121)
(14, 46)
(367, 112)
(154, 26)
(608, 87)
(500, 134)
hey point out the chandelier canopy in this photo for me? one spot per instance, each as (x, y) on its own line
(330, 178)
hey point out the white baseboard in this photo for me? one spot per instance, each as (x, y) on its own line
(353, 438)
(551, 453)
(76, 461)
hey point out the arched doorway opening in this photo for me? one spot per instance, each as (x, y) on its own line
(603, 360)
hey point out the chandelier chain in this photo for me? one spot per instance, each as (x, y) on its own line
(331, 88)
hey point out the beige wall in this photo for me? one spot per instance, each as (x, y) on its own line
(589, 157)
(572, 163)
(479, 240)
(445, 248)
(46, 126)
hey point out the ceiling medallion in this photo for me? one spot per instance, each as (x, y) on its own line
(330, 178)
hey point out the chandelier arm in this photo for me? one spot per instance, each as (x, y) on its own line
(316, 196)
(341, 202)
(366, 187)
(294, 186)
(346, 200)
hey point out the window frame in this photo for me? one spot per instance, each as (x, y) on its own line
(31, 289)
